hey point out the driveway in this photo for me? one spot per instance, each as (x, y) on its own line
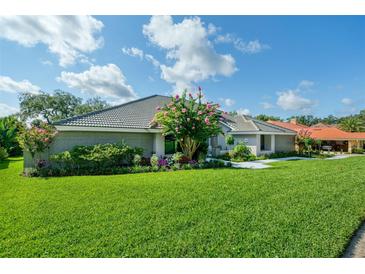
(260, 164)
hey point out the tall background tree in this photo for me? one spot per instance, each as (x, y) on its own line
(265, 118)
(56, 106)
(352, 124)
(307, 120)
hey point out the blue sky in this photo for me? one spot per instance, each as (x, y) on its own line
(277, 65)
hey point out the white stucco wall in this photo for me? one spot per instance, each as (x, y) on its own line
(284, 143)
(68, 139)
(248, 139)
(273, 143)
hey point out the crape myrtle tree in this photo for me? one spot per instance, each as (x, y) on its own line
(190, 120)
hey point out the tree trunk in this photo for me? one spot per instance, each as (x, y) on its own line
(189, 147)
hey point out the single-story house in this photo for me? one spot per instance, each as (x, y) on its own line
(330, 135)
(131, 122)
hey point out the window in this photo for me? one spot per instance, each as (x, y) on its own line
(262, 141)
(170, 144)
(265, 142)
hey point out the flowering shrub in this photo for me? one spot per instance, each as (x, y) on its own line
(154, 160)
(304, 141)
(190, 121)
(36, 139)
(240, 152)
(162, 162)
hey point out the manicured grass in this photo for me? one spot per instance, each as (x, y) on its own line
(295, 209)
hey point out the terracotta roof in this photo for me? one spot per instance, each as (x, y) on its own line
(322, 132)
(296, 127)
(333, 133)
(322, 125)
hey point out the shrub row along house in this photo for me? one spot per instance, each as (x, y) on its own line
(331, 136)
(132, 122)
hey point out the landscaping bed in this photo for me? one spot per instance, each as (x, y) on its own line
(294, 209)
(118, 158)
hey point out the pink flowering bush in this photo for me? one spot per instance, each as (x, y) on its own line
(189, 120)
(36, 139)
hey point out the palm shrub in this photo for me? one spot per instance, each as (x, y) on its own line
(3, 154)
(190, 121)
(10, 127)
(177, 156)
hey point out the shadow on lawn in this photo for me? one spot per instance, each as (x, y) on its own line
(5, 163)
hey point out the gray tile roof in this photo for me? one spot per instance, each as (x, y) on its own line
(139, 113)
(134, 114)
(245, 123)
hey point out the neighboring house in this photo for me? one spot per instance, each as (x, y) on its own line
(131, 122)
(261, 137)
(330, 135)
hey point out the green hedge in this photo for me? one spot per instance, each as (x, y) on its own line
(358, 150)
(92, 159)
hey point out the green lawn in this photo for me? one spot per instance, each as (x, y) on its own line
(295, 209)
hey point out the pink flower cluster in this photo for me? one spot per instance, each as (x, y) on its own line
(206, 120)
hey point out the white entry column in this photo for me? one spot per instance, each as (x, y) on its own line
(272, 147)
(159, 144)
(258, 145)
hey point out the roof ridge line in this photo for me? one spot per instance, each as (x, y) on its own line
(104, 109)
(273, 125)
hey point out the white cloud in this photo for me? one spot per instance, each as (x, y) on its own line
(305, 84)
(134, 52)
(46, 63)
(6, 110)
(266, 105)
(105, 81)
(70, 37)
(227, 101)
(249, 47)
(347, 101)
(292, 100)
(152, 60)
(243, 111)
(187, 44)
(8, 84)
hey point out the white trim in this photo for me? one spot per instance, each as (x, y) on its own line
(108, 129)
(261, 133)
(227, 125)
(272, 144)
(254, 125)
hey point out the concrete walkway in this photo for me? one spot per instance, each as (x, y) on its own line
(260, 164)
(356, 247)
